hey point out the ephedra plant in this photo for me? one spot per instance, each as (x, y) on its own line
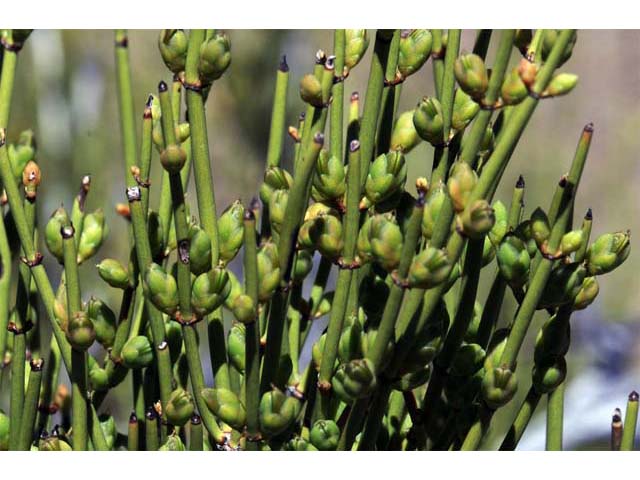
(397, 367)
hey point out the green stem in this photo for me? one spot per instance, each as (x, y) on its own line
(481, 45)
(630, 421)
(337, 103)
(196, 437)
(374, 418)
(437, 56)
(448, 80)
(133, 434)
(278, 115)
(390, 97)
(555, 412)
(97, 435)
(521, 421)
(125, 98)
(252, 350)
(151, 430)
(31, 405)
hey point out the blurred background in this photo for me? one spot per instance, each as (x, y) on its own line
(66, 92)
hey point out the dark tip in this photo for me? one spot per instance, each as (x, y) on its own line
(563, 181)
(301, 116)
(254, 204)
(354, 146)
(330, 64)
(633, 396)
(355, 96)
(321, 57)
(249, 216)
(67, 231)
(318, 138)
(588, 215)
(422, 196)
(149, 103)
(283, 67)
(520, 182)
(36, 364)
(151, 414)
(196, 419)
(44, 434)
(588, 127)
(162, 86)
(133, 418)
(617, 416)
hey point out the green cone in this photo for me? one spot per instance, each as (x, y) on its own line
(468, 360)
(329, 178)
(499, 230)
(380, 239)
(387, 176)
(275, 178)
(244, 309)
(277, 412)
(230, 231)
(476, 220)
(563, 285)
(513, 261)
(215, 57)
(464, 110)
(80, 331)
(299, 444)
(311, 90)
(432, 207)
(349, 346)
(428, 120)
(94, 231)
(608, 252)
(571, 242)
(324, 435)
(498, 387)
(172, 444)
(268, 270)
(137, 352)
(471, 75)
(114, 273)
(225, 405)
(548, 374)
(98, 377)
(322, 233)
(173, 158)
(513, 90)
(179, 407)
(302, 266)
(561, 84)
(404, 136)
(540, 228)
(236, 341)
(161, 288)
(52, 236)
(210, 290)
(429, 268)
(356, 43)
(104, 321)
(354, 380)
(199, 251)
(415, 48)
(587, 294)
(462, 180)
(548, 41)
(21, 153)
(277, 208)
(173, 49)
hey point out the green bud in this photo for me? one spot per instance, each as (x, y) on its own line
(210, 290)
(356, 43)
(172, 444)
(524, 233)
(608, 252)
(137, 352)
(94, 231)
(471, 334)
(173, 336)
(500, 227)
(563, 285)
(173, 158)
(4, 432)
(173, 49)
(548, 41)
(513, 261)
(499, 386)
(311, 90)
(415, 48)
(412, 380)
(156, 235)
(488, 252)
(231, 231)
(549, 374)
(552, 339)
(278, 208)
(52, 236)
(60, 304)
(471, 75)
(199, 251)
(513, 89)
(428, 120)
(275, 178)
(302, 266)
(380, 239)
(104, 321)
(215, 57)
(108, 427)
(225, 405)
(179, 407)
(324, 435)
(21, 153)
(236, 341)
(244, 309)
(464, 110)
(317, 349)
(161, 288)
(80, 331)
(387, 175)
(268, 270)
(429, 268)
(468, 360)
(323, 233)
(277, 412)
(404, 136)
(299, 444)
(462, 180)
(53, 444)
(236, 290)
(476, 220)
(349, 346)
(540, 228)
(432, 207)
(114, 273)
(587, 294)
(571, 242)
(98, 377)
(329, 179)
(561, 84)
(496, 348)
(353, 380)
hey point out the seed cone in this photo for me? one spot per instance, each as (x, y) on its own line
(80, 331)
(180, 407)
(215, 57)
(137, 352)
(94, 231)
(324, 435)
(387, 175)
(499, 386)
(356, 43)
(404, 136)
(104, 321)
(230, 231)
(428, 120)
(354, 380)
(114, 273)
(225, 405)
(161, 288)
(608, 252)
(173, 49)
(277, 412)
(415, 48)
(210, 290)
